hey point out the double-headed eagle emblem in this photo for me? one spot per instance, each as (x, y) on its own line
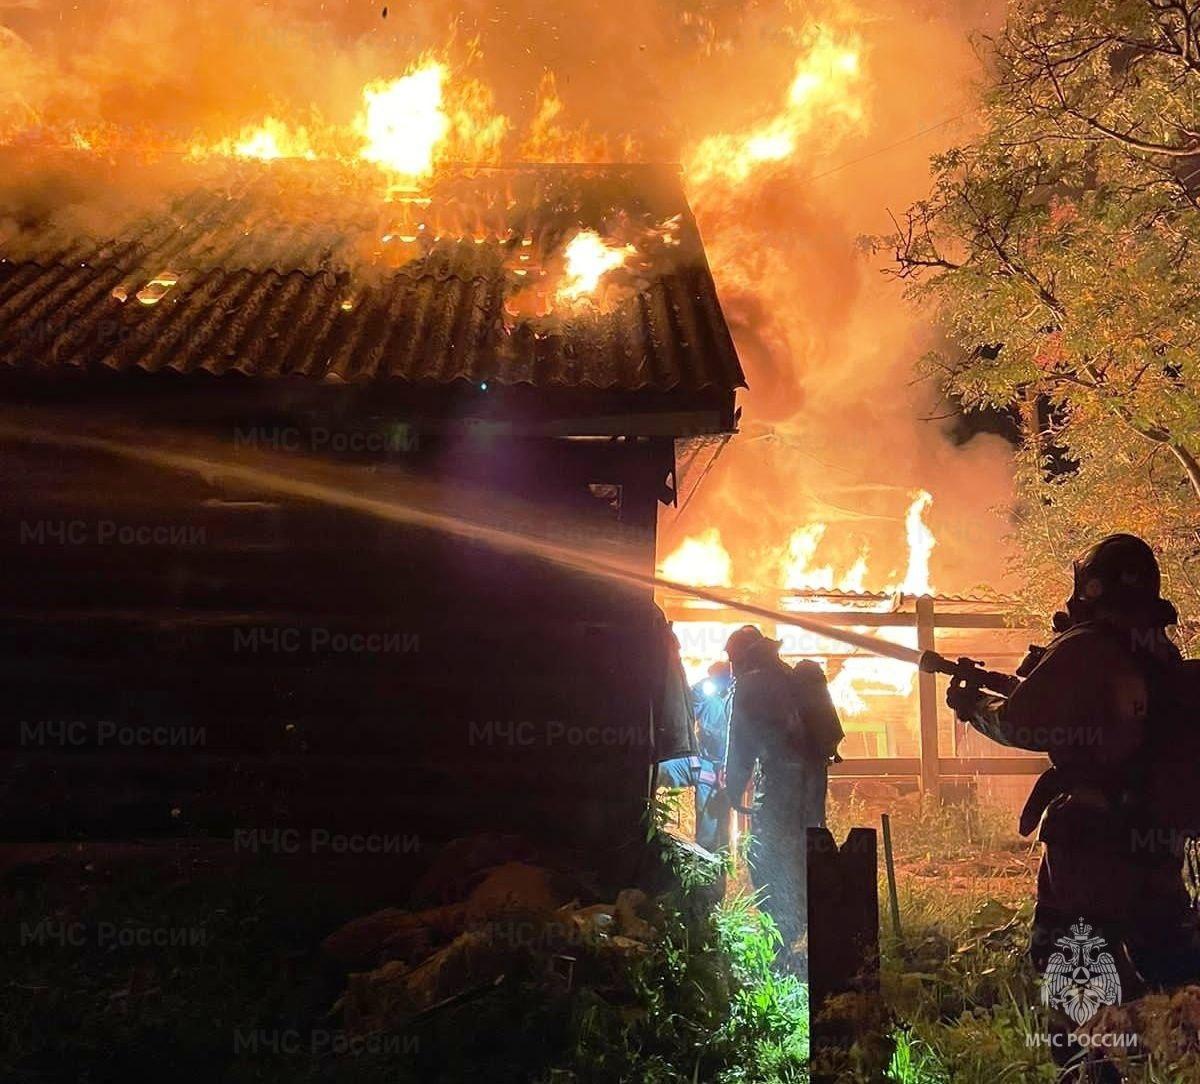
(1082, 979)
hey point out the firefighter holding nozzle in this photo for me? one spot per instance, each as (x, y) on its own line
(1116, 708)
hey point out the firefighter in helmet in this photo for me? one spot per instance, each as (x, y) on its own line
(784, 720)
(1114, 705)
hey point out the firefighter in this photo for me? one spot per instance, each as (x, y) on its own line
(784, 720)
(710, 704)
(1113, 704)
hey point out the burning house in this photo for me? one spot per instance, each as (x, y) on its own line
(255, 438)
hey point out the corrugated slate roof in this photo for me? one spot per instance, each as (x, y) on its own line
(279, 273)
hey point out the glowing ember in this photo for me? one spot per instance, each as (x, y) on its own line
(588, 259)
(701, 561)
(403, 121)
(154, 291)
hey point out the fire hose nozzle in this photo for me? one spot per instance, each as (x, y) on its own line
(968, 672)
(931, 662)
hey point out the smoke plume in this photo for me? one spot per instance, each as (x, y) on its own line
(791, 151)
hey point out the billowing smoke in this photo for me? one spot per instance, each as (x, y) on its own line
(837, 429)
(791, 150)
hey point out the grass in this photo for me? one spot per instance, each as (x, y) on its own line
(702, 1003)
(959, 998)
(959, 991)
(962, 997)
(768, 1024)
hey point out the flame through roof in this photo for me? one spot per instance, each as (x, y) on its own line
(272, 272)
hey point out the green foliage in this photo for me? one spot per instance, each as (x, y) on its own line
(669, 809)
(961, 995)
(705, 1003)
(967, 1000)
(767, 1031)
(1058, 249)
(665, 809)
(701, 1001)
(915, 1062)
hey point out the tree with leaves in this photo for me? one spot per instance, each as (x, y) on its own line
(1060, 249)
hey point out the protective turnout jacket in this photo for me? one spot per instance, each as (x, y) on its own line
(712, 720)
(782, 718)
(1106, 703)
(674, 721)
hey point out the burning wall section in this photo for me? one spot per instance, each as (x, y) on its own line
(876, 696)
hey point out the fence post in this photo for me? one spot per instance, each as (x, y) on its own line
(843, 938)
(927, 700)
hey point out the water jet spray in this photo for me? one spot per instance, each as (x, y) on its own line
(289, 484)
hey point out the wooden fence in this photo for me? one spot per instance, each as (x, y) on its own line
(929, 616)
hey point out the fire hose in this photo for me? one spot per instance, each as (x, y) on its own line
(287, 477)
(963, 672)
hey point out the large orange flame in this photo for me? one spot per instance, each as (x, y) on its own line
(701, 561)
(588, 259)
(823, 88)
(403, 121)
(268, 141)
(800, 574)
(920, 545)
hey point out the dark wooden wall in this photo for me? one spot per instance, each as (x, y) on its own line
(312, 667)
